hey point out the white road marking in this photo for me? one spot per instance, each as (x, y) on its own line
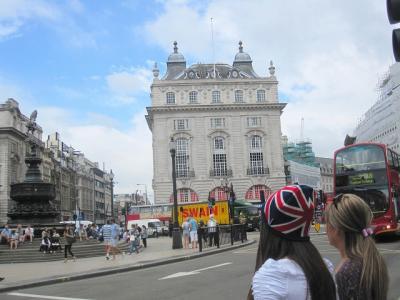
(194, 272)
(44, 296)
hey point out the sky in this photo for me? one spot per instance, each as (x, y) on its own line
(86, 66)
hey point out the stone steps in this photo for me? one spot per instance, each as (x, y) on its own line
(30, 252)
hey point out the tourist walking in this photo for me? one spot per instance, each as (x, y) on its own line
(144, 236)
(185, 233)
(212, 231)
(193, 232)
(106, 234)
(133, 240)
(115, 231)
(288, 265)
(361, 272)
(69, 237)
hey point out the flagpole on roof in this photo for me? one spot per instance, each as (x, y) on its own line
(212, 43)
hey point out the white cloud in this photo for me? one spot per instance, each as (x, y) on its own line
(125, 85)
(15, 13)
(128, 153)
(334, 50)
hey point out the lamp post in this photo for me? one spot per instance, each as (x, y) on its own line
(176, 233)
(112, 193)
(230, 195)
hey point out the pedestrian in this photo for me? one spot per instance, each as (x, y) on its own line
(69, 236)
(212, 231)
(115, 232)
(106, 234)
(14, 240)
(5, 234)
(133, 234)
(28, 233)
(185, 233)
(288, 265)
(144, 236)
(20, 232)
(362, 272)
(193, 232)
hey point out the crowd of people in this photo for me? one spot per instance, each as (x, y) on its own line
(16, 237)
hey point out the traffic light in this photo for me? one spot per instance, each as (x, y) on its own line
(212, 201)
(393, 12)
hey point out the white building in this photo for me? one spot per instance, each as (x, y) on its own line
(381, 123)
(326, 169)
(303, 174)
(225, 121)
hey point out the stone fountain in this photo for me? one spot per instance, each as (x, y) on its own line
(34, 198)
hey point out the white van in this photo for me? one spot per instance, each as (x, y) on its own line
(77, 223)
(153, 225)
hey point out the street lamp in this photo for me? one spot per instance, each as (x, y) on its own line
(230, 195)
(176, 233)
(112, 193)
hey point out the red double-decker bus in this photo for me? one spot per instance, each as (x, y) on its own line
(371, 171)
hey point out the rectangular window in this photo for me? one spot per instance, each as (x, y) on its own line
(261, 96)
(239, 96)
(216, 97)
(181, 124)
(256, 164)
(217, 122)
(254, 121)
(220, 168)
(170, 98)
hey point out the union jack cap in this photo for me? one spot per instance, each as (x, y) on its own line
(289, 211)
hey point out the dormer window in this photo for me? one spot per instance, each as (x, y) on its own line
(193, 97)
(170, 97)
(238, 96)
(261, 96)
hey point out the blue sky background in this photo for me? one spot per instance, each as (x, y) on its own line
(86, 65)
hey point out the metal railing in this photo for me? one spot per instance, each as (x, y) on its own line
(225, 234)
(257, 171)
(221, 173)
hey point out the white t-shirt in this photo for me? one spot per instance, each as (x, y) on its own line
(282, 279)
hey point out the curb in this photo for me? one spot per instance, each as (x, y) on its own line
(110, 271)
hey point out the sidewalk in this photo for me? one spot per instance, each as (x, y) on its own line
(159, 251)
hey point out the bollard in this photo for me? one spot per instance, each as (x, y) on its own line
(217, 237)
(200, 238)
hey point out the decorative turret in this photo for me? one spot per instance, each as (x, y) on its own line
(176, 63)
(271, 68)
(156, 71)
(243, 61)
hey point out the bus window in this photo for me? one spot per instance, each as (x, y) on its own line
(361, 158)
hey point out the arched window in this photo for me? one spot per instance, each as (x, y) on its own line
(170, 97)
(256, 157)
(216, 97)
(219, 194)
(193, 97)
(239, 96)
(261, 96)
(219, 157)
(185, 195)
(253, 193)
(182, 157)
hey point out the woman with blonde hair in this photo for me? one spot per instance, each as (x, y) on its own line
(362, 272)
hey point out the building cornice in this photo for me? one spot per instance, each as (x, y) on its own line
(219, 107)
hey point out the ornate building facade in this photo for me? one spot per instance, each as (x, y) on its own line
(225, 122)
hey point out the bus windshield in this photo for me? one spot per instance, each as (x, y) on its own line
(376, 197)
(360, 158)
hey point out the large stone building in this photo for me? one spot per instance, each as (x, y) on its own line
(326, 169)
(80, 185)
(225, 122)
(85, 189)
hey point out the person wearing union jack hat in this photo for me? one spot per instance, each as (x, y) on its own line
(288, 265)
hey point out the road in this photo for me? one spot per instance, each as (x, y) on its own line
(222, 276)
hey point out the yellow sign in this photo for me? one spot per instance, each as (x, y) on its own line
(201, 211)
(363, 178)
